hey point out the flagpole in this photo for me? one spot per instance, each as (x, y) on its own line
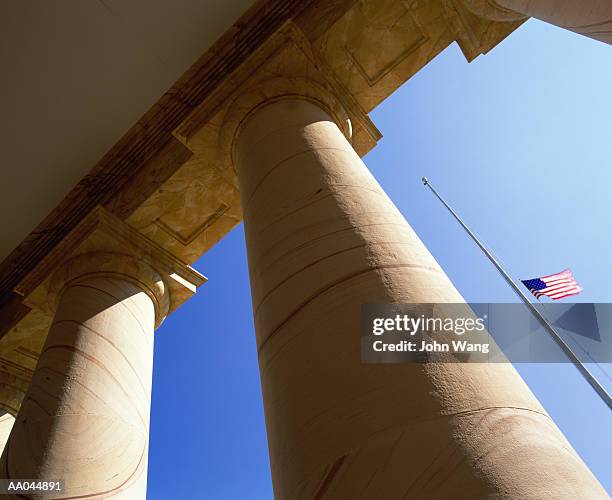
(601, 391)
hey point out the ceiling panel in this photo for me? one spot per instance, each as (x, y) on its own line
(75, 76)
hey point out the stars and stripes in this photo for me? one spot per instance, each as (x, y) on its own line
(555, 286)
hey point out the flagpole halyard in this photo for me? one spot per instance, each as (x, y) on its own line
(599, 389)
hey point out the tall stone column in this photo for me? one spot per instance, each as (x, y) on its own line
(323, 238)
(6, 424)
(592, 18)
(85, 417)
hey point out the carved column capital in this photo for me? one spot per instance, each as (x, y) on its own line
(276, 89)
(104, 245)
(103, 264)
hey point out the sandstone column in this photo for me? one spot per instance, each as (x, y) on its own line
(592, 18)
(323, 238)
(85, 417)
(6, 424)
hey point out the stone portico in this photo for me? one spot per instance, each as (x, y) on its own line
(269, 127)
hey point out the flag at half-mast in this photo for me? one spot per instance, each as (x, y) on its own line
(555, 286)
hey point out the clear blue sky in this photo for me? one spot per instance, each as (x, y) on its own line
(520, 141)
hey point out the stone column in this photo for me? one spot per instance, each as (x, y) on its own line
(592, 18)
(6, 424)
(85, 417)
(322, 239)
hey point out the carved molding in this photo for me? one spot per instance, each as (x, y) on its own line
(398, 24)
(475, 32)
(208, 222)
(102, 243)
(491, 10)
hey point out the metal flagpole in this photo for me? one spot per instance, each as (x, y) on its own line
(547, 326)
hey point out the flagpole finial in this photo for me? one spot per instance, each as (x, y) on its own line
(425, 181)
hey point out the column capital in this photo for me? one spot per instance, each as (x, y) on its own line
(104, 245)
(285, 65)
(281, 88)
(117, 265)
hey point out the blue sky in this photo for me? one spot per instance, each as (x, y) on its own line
(520, 142)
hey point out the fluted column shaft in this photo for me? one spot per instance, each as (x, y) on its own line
(323, 239)
(85, 417)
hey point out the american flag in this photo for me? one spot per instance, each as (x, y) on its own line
(555, 286)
